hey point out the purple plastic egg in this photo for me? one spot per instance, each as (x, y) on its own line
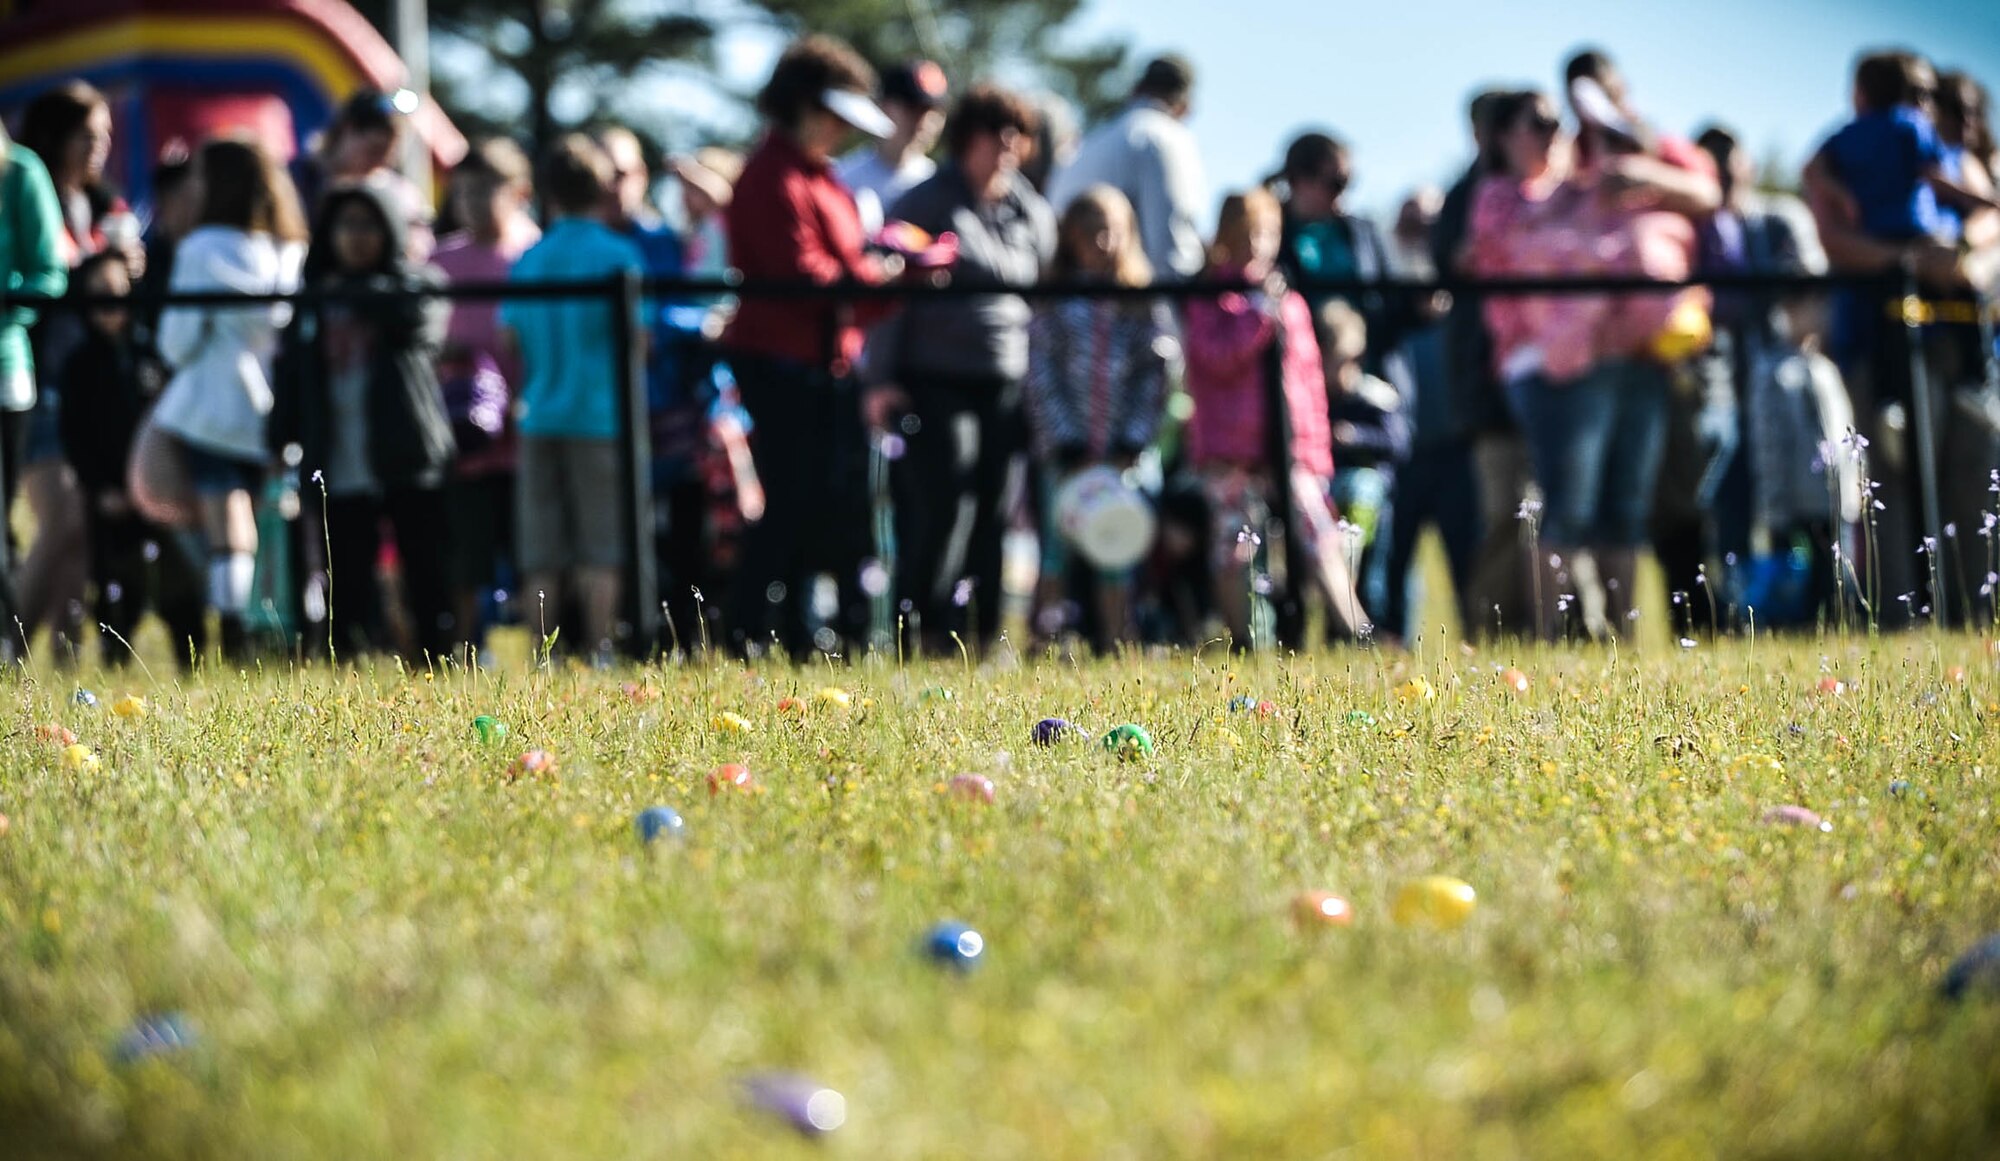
(1049, 731)
(809, 1106)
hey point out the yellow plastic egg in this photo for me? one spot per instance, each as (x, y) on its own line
(1416, 689)
(77, 756)
(730, 723)
(129, 706)
(1438, 901)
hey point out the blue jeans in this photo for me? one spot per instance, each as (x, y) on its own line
(1596, 446)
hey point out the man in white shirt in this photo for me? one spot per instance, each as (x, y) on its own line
(1149, 154)
(913, 96)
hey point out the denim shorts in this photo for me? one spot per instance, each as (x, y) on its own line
(214, 474)
(1596, 446)
(44, 435)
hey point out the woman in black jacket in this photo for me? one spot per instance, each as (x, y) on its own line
(946, 375)
(357, 393)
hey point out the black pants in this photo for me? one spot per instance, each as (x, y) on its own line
(132, 565)
(481, 512)
(681, 547)
(950, 490)
(1439, 486)
(417, 518)
(811, 456)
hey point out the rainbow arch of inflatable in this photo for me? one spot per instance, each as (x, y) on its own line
(183, 69)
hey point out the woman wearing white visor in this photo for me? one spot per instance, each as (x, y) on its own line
(791, 221)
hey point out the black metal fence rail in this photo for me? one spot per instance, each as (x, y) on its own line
(921, 288)
(627, 295)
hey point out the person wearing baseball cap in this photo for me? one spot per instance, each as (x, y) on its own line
(881, 172)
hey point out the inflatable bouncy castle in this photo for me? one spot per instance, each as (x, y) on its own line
(182, 70)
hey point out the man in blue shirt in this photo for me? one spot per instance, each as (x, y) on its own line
(567, 485)
(1876, 188)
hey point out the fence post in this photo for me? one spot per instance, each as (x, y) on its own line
(641, 597)
(1924, 420)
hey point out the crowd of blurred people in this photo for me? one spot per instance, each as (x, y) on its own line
(390, 469)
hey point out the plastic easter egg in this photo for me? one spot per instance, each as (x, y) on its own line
(1515, 681)
(1977, 970)
(1251, 705)
(85, 698)
(77, 756)
(56, 734)
(1129, 742)
(1832, 686)
(1049, 731)
(1795, 816)
(1756, 764)
(834, 697)
(729, 723)
(1416, 690)
(151, 1036)
(955, 945)
(1361, 718)
(658, 822)
(535, 763)
(1899, 788)
(807, 1105)
(489, 728)
(972, 787)
(791, 705)
(1955, 675)
(730, 776)
(6, 824)
(1321, 909)
(129, 706)
(937, 693)
(1438, 901)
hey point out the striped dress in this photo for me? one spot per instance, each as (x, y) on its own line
(1097, 374)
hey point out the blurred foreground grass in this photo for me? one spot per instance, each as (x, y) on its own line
(389, 946)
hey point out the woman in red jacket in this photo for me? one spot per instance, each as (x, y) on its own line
(791, 220)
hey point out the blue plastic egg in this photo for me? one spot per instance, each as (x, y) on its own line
(953, 944)
(1978, 969)
(85, 698)
(157, 1035)
(657, 822)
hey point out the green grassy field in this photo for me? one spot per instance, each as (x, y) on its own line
(388, 945)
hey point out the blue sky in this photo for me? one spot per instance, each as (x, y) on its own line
(1392, 76)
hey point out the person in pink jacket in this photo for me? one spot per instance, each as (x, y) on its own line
(1233, 342)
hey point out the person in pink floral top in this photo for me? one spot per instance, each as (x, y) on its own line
(1585, 374)
(1229, 344)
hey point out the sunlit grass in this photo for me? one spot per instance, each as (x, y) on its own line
(390, 943)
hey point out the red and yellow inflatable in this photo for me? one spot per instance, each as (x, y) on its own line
(185, 69)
